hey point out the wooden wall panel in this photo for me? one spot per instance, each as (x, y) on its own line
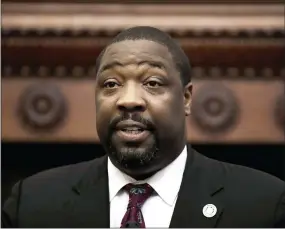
(79, 125)
(255, 123)
(49, 35)
(241, 45)
(256, 120)
(223, 53)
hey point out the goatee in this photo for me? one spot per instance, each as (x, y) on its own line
(132, 157)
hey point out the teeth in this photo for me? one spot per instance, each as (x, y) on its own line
(132, 129)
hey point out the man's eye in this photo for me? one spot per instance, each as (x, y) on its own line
(153, 84)
(110, 84)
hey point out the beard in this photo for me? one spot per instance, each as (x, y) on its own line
(131, 156)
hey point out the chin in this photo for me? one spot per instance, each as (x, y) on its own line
(133, 157)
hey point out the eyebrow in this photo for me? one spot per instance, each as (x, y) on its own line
(152, 63)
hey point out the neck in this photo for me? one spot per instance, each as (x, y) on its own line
(158, 164)
(140, 177)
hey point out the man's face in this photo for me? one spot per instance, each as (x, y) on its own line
(140, 106)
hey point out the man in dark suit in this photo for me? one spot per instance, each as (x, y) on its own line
(150, 177)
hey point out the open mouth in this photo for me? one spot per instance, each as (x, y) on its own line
(133, 135)
(130, 131)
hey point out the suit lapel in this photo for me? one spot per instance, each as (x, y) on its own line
(91, 207)
(202, 184)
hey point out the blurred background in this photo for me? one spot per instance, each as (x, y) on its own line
(49, 49)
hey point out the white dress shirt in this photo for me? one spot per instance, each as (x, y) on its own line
(158, 209)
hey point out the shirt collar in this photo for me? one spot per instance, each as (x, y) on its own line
(173, 173)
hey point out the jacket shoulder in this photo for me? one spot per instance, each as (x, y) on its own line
(60, 177)
(249, 177)
(234, 174)
(250, 194)
(45, 193)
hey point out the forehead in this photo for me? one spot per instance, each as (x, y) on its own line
(133, 52)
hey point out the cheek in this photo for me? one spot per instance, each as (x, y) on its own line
(104, 104)
(167, 113)
(103, 113)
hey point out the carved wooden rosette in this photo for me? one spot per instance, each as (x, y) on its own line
(42, 107)
(214, 108)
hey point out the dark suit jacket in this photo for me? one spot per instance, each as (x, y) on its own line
(78, 196)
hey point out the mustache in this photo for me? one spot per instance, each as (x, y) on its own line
(133, 117)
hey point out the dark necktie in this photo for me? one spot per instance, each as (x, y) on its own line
(138, 194)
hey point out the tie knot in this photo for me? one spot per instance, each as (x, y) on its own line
(138, 194)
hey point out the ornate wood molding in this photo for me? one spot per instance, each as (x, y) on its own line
(254, 100)
(221, 40)
(81, 72)
(58, 56)
(112, 18)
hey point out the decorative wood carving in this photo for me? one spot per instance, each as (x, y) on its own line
(78, 56)
(40, 39)
(112, 18)
(81, 72)
(42, 107)
(255, 122)
(215, 108)
(240, 44)
(254, 118)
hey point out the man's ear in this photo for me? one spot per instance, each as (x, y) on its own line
(188, 98)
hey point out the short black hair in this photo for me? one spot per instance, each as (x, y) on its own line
(153, 34)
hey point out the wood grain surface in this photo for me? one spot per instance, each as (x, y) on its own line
(255, 124)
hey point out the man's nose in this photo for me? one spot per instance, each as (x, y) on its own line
(130, 99)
